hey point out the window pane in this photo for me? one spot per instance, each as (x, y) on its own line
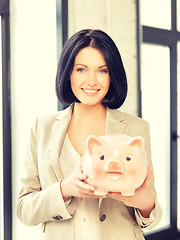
(1, 147)
(156, 13)
(156, 110)
(178, 109)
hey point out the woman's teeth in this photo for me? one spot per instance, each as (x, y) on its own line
(90, 91)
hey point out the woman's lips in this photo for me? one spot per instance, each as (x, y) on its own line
(90, 92)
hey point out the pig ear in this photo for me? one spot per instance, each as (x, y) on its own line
(92, 142)
(137, 143)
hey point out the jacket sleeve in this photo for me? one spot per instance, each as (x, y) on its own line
(144, 131)
(36, 205)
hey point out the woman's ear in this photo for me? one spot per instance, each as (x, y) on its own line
(92, 142)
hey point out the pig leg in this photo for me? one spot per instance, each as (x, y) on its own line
(100, 192)
(128, 193)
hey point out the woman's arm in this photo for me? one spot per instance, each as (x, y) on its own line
(41, 202)
(37, 204)
(145, 198)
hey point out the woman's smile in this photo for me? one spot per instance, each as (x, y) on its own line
(90, 92)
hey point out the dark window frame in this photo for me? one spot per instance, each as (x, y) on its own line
(168, 38)
(6, 108)
(62, 30)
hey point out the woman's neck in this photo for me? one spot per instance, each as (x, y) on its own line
(82, 111)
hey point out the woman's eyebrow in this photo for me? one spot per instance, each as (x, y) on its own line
(80, 64)
(105, 65)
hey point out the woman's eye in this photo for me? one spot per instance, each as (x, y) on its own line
(103, 71)
(80, 69)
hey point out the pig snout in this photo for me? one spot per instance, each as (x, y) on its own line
(115, 166)
(114, 170)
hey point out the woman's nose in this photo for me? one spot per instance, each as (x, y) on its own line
(92, 79)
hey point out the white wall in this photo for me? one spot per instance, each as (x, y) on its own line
(33, 70)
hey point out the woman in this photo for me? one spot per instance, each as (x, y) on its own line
(92, 80)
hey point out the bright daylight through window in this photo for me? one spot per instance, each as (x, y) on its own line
(155, 85)
(150, 13)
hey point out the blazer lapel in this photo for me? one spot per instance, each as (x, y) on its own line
(58, 134)
(115, 122)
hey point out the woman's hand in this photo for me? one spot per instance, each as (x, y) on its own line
(143, 198)
(75, 185)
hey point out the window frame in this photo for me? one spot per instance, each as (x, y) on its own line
(152, 35)
(6, 106)
(62, 30)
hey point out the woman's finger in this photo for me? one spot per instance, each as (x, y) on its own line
(147, 179)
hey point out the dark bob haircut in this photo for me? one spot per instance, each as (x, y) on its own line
(98, 39)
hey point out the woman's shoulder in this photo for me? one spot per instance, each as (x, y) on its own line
(48, 120)
(123, 116)
(131, 124)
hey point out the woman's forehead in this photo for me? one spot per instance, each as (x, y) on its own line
(90, 56)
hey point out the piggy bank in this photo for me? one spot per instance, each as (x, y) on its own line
(115, 163)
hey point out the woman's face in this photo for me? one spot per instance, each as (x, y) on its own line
(90, 77)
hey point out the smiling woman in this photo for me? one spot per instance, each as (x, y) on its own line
(109, 56)
(91, 78)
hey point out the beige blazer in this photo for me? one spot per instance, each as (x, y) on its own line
(40, 199)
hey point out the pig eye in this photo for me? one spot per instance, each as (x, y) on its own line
(128, 158)
(102, 157)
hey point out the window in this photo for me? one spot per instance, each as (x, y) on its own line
(155, 86)
(62, 29)
(156, 13)
(159, 102)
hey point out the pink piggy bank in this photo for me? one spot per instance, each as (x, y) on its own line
(115, 163)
